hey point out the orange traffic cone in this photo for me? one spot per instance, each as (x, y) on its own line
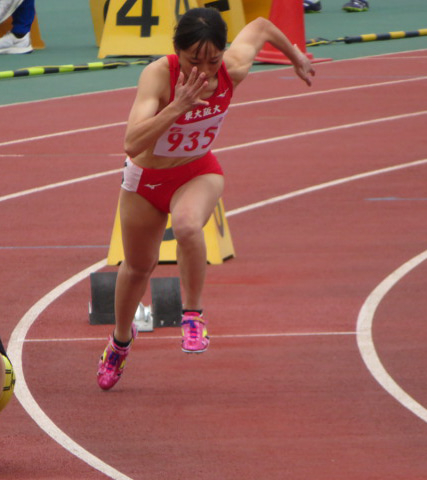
(288, 16)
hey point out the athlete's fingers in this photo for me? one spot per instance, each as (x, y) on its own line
(194, 86)
(193, 76)
(304, 67)
(199, 85)
(180, 81)
(198, 81)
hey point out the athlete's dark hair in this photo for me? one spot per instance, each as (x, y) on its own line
(200, 25)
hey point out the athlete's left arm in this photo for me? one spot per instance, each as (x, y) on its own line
(241, 54)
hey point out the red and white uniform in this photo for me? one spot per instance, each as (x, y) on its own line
(191, 135)
(194, 132)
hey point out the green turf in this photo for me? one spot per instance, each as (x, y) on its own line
(67, 30)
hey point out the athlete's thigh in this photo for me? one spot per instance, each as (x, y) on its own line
(197, 198)
(143, 228)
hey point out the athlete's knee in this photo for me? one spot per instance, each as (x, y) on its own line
(138, 271)
(187, 228)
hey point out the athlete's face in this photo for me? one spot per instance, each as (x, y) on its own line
(207, 59)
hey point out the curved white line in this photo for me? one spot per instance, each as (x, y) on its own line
(22, 391)
(366, 344)
(15, 345)
(17, 339)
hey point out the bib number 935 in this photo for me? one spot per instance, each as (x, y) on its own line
(191, 141)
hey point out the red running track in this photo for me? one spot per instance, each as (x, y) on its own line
(290, 387)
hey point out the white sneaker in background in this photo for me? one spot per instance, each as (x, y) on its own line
(11, 44)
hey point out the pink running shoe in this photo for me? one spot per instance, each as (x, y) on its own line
(194, 334)
(112, 362)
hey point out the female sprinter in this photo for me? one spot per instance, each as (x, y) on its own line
(180, 104)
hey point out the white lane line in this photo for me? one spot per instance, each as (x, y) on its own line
(22, 391)
(332, 90)
(225, 149)
(147, 336)
(61, 134)
(323, 130)
(366, 344)
(65, 183)
(19, 334)
(234, 105)
(321, 186)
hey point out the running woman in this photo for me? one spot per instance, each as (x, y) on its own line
(180, 104)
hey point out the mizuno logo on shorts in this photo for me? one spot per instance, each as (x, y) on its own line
(152, 187)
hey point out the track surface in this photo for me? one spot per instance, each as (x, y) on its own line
(291, 386)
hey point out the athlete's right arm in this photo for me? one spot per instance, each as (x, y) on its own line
(147, 119)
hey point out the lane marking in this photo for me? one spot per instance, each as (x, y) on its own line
(223, 149)
(242, 104)
(396, 199)
(147, 336)
(18, 338)
(65, 183)
(323, 130)
(321, 186)
(22, 391)
(61, 134)
(334, 90)
(366, 344)
(50, 247)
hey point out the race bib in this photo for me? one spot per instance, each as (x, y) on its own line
(190, 139)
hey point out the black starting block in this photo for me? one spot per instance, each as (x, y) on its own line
(164, 311)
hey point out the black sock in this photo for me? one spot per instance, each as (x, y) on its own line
(186, 310)
(121, 344)
(19, 35)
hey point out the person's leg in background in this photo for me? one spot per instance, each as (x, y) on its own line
(18, 40)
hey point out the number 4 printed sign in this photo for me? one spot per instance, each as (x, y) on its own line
(141, 27)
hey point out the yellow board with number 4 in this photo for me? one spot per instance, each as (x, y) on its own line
(141, 27)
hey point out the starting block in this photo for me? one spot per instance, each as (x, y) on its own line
(164, 311)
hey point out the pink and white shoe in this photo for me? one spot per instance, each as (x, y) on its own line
(195, 337)
(112, 362)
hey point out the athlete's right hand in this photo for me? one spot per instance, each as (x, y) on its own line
(188, 94)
